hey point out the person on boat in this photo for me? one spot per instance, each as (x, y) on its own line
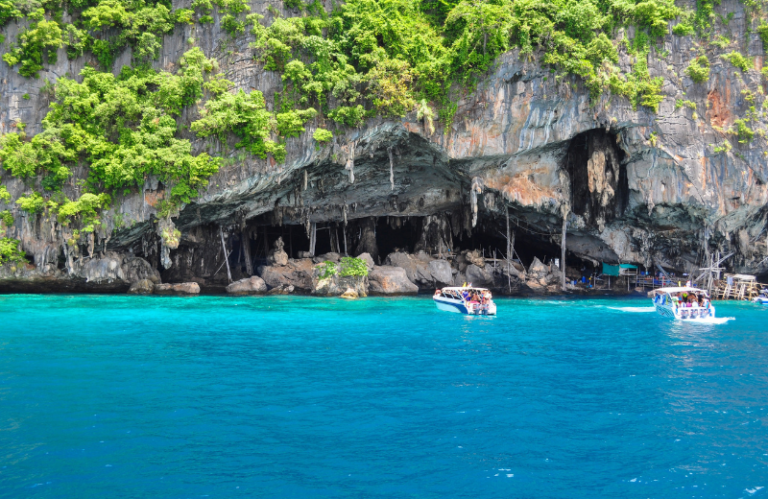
(438, 292)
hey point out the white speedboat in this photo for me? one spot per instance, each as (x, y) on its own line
(465, 300)
(684, 303)
(762, 298)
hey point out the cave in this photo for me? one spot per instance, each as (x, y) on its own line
(599, 185)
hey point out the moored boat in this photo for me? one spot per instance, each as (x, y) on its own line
(683, 303)
(762, 298)
(465, 300)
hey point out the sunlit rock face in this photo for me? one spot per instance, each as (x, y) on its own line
(525, 144)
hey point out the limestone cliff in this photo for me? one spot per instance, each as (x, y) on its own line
(635, 186)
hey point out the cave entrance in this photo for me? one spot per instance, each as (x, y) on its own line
(599, 185)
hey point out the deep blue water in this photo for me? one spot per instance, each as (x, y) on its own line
(149, 397)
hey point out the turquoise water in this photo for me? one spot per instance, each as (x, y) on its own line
(144, 397)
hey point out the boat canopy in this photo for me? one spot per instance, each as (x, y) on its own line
(465, 288)
(683, 289)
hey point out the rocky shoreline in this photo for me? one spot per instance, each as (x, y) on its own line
(400, 273)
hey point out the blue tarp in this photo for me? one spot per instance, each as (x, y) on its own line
(615, 270)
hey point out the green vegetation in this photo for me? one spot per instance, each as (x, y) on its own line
(171, 237)
(738, 60)
(347, 267)
(725, 148)
(6, 217)
(382, 56)
(326, 270)
(5, 196)
(698, 69)
(322, 135)
(352, 267)
(362, 59)
(32, 203)
(742, 130)
(10, 252)
(685, 103)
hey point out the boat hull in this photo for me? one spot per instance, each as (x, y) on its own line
(685, 314)
(761, 301)
(457, 307)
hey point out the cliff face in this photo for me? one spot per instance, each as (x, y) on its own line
(634, 186)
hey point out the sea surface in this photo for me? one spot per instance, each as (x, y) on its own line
(283, 397)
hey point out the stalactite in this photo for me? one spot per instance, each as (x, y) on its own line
(351, 163)
(391, 169)
(306, 180)
(475, 189)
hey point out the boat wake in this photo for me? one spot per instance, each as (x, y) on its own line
(710, 320)
(634, 309)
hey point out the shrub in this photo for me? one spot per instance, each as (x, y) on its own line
(326, 270)
(10, 252)
(738, 60)
(352, 267)
(321, 135)
(743, 132)
(6, 217)
(5, 196)
(698, 69)
(33, 203)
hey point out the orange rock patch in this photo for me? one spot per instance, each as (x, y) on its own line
(718, 113)
(520, 188)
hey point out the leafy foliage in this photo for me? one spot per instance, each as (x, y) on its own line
(33, 203)
(5, 196)
(738, 60)
(10, 252)
(244, 115)
(322, 135)
(38, 43)
(124, 128)
(6, 217)
(352, 267)
(326, 270)
(698, 69)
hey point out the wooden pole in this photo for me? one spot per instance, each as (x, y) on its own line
(226, 256)
(313, 239)
(245, 236)
(344, 231)
(562, 250)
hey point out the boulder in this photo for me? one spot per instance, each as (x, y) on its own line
(136, 269)
(249, 286)
(387, 280)
(366, 257)
(183, 288)
(333, 284)
(328, 257)
(474, 258)
(296, 273)
(441, 272)
(283, 289)
(142, 287)
(278, 256)
(100, 270)
(417, 270)
(480, 277)
(349, 294)
(537, 269)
